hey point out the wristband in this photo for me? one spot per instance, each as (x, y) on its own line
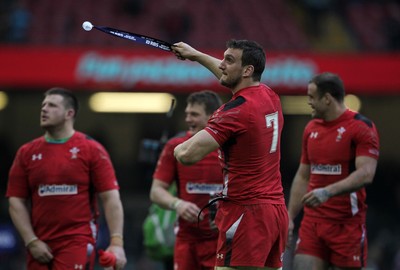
(175, 204)
(118, 235)
(33, 239)
(116, 239)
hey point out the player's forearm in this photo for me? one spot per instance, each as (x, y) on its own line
(363, 175)
(352, 183)
(114, 214)
(183, 155)
(20, 217)
(298, 190)
(196, 148)
(211, 63)
(185, 51)
(162, 197)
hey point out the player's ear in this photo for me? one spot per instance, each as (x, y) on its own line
(328, 98)
(70, 114)
(248, 71)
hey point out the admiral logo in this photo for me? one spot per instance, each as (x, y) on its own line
(201, 188)
(55, 190)
(326, 169)
(220, 256)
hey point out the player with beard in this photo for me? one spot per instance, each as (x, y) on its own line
(52, 189)
(339, 156)
(252, 218)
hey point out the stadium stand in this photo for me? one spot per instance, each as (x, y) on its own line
(376, 24)
(278, 25)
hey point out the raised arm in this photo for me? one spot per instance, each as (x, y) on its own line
(184, 51)
(196, 148)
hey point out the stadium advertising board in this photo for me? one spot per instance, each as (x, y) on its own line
(151, 70)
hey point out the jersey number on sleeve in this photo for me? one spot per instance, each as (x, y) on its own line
(272, 121)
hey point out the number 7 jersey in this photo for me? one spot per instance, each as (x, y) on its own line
(248, 129)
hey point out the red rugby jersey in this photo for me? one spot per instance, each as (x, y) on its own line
(248, 129)
(194, 183)
(60, 179)
(330, 148)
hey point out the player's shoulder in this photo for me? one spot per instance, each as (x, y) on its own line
(269, 91)
(86, 139)
(314, 122)
(83, 137)
(234, 103)
(362, 119)
(250, 97)
(33, 144)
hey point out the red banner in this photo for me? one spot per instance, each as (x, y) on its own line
(153, 70)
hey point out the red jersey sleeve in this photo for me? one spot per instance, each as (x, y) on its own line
(304, 153)
(102, 171)
(367, 141)
(166, 165)
(18, 185)
(225, 124)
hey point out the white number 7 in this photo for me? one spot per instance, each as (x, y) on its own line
(272, 121)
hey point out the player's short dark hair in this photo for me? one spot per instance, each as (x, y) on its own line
(253, 54)
(70, 100)
(329, 83)
(209, 98)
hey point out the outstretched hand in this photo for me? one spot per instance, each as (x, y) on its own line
(184, 51)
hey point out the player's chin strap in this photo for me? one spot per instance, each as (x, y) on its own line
(211, 204)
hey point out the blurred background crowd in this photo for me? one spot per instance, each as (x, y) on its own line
(323, 27)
